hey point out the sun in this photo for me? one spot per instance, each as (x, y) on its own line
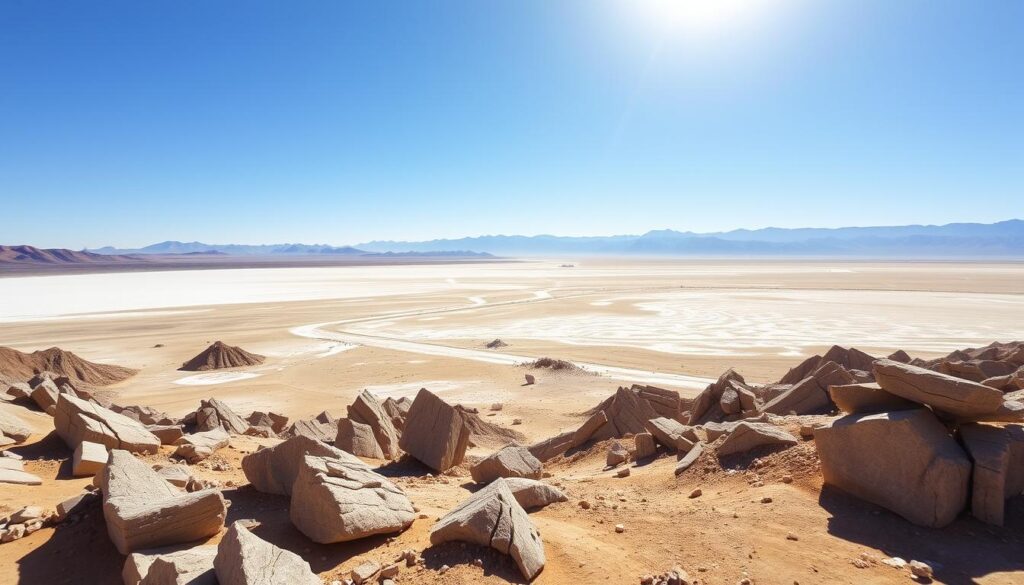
(693, 18)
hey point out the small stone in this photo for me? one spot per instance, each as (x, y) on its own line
(696, 493)
(624, 472)
(443, 569)
(895, 562)
(787, 479)
(620, 528)
(766, 500)
(584, 504)
(25, 514)
(390, 570)
(860, 563)
(920, 569)
(365, 572)
(792, 536)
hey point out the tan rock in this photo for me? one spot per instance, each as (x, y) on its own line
(810, 395)
(672, 434)
(867, 397)
(226, 418)
(617, 454)
(689, 459)
(955, 396)
(510, 461)
(748, 435)
(358, 439)
(77, 420)
(532, 494)
(167, 434)
(644, 446)
(367, 409)
(199, 446)
(13, 427)
(273, 470)
(246, 559)
(998, 456)
(435, 432)
(88, 459)
(192, 566)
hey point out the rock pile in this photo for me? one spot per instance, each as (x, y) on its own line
(220, 355)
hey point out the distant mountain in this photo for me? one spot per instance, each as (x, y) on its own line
(173, 247)
(30, 255)
(432, 254)
(1004, 239)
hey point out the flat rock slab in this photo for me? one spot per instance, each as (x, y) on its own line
(689, 459)
(88, 459)
(435, 432)
(510, 461)
(246, 559)
(142, 510)
(199, 446)
(273, 470)
(192, 566)
(998, 455)
(77, 420)
(867, 397)
(18, 477)
(167, 434)
(342, 499)
(671, 433)
(958, 397)
(492, 517)
(13, 427)
(810, 395)
(748, 435)
(532, 494)
(905, 461)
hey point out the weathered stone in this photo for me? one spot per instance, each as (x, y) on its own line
(358, 439)
(199, 446)
(167, 434)
(435, 433)
(672, 434)
(869, 397)
(246, 559)
(75, 504)
(810, 395)
(626, 412)
(13, 471)
(206, 419)
(77, 420)
(958, 397)
(587, 429)
(707, 406)
(88, 459)
(367, 409)
(617, 454)
(13, 427)
(748, 435)
(273, 470)
(192, 566)
(643, 445)
(176, 475)
(689, 459)
(313, 429)
(45, 395)
(552, 447)
(20, 391)
(531, 493)
(510, 461)
(998, 455)
(492, 517)
(226, 417)
(144, 511)
(336, 499)
(364, 572)
(905, 461)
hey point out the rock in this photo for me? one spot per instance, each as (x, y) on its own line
(199, 446)
(510, 461)
(12, 533)
(435, 433)
(326, 418)
(624, 472)
(696, 493)
(20, 391)
(88, 459)
(313, 429)
(689, 459)
(531, 493)
(45, 394)
(25, 514)
(616, 454)
(167, 434)
(226, 418)
(365, 572)
(497, 406)
(998, 456)
(958, 397)
(75, 503)
(358, 439)
(245, 559)
(810, 395)
(146, 415)
(206, 419)
(644, 446)
(867, 397)
(13, 427)
(672, 434)
(77, 420)
(748, 435)
(905, 461)
(337, 499)
(620, 528)
(176, 475)
(367, 410)
(626, 412)
(707, 406)
(192, 566)
(11, 472)
(144, 511)
(273, 470)
(587, 429)
(530, 380)
(492, 517)
(920, 570)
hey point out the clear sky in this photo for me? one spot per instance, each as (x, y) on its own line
(335, 121)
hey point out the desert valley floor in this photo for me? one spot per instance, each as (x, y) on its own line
(328, 333)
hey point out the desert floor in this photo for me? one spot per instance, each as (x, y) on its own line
(330, 332)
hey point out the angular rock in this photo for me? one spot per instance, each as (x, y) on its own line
(626, 412)
(707, 406)
(20, 391)
(672, 434)
(18, 477)
(590, 426)
(144, 511)
(176, 475)
(510, 461)
(192, 566)
(958, 397)
(552, 447)
(367, 409)
(862, 398)
(998, 456)
(905, 461)
(45, 395)
(617, 454)
(337, 499)
(199, 446)
(314, 429)
(273, 470)
(167, 434)
(810, 395)
(226, 417)
(748, 435)
(665, 402)
(88, 459)
(689, 459)
(358, 439)
(246, 559)
(77, 420)
(13, 427)
(492, 517)
(435, 433)
(531, 493)
(643, 445)
(75, 504)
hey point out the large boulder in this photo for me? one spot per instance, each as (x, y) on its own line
(492, 517)
(958, 397)
(246, 559)
(225, 417)
(810, 395)
(199, 446)
(748, 435)
(867, 397)
(671, 433)
(366, 409)
(192, 566)
(273, 470)
(626, 412)
(77, 420)
(342, 499)
(314, 429)
(358, 439)
(998, 455)
(435, 432)
(13, 427)
(905, 461)
(510, 461)
(144, 511)
(532, 494)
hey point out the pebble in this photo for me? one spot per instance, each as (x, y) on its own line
(920, 569)
(766, 500)
(620, 528)
(624, 472)
(792, 536)
(696, 493)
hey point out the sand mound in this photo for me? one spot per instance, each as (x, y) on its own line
(553, 364)
(221, 355)
(19, 366)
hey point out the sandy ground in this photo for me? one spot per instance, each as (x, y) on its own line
(330, 332)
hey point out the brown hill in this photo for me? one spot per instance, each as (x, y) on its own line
(17, 366)
(30, 255)
(221, 355)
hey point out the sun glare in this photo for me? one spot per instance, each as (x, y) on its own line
(694, 18)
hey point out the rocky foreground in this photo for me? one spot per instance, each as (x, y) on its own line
(929, 441)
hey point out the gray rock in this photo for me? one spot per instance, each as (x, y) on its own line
(192, 566)
(246, 559)
(958, 397)
(273, 470)
(748, 435)
(77, 420)
(531, 493)
(510, 461)
(435, 432)
(358, 439)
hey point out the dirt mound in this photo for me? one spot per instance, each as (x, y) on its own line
(221, 355)
(553, 364)
(19, 366)
(496, 344)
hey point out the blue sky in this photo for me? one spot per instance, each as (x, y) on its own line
(127, 123)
